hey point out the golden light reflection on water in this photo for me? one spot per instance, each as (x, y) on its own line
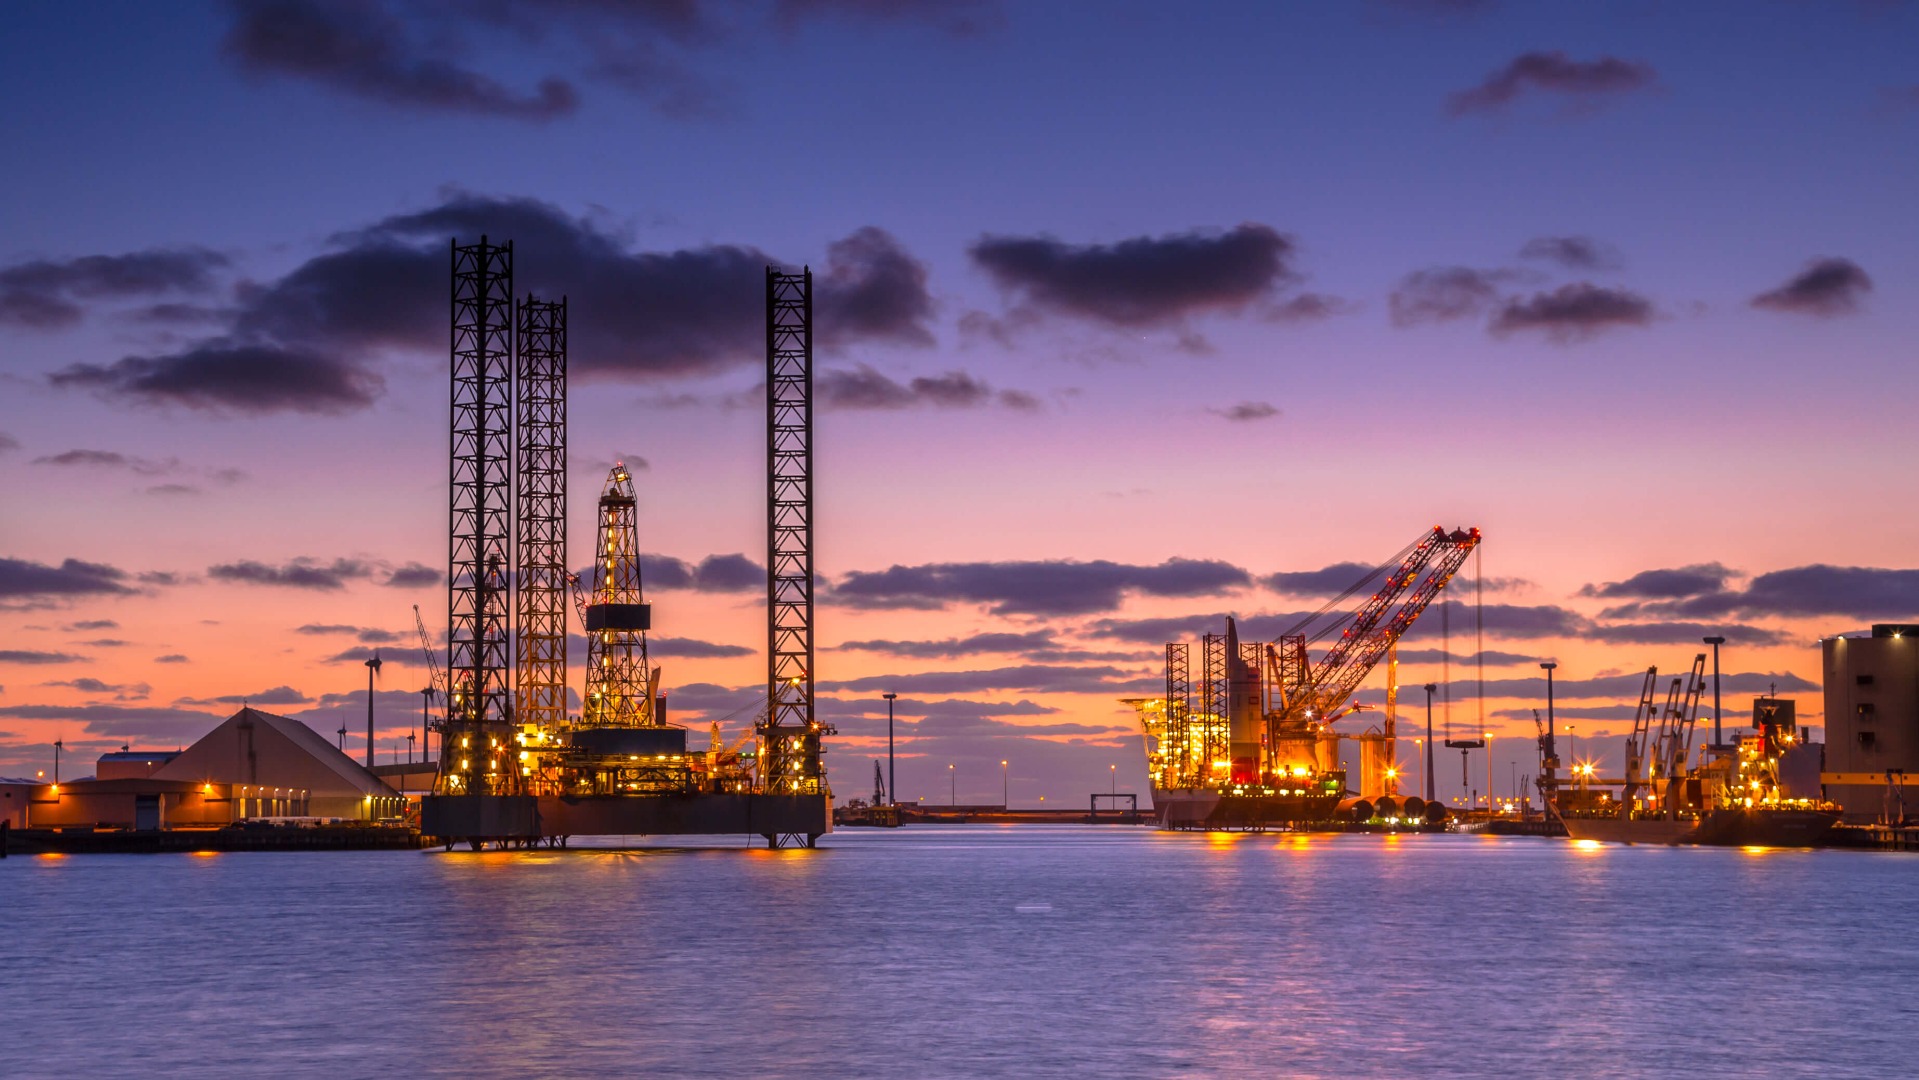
(1588, 846)
(1757, 849)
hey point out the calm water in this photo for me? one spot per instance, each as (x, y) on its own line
(927, 952)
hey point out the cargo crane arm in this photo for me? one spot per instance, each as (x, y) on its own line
(435, 683)
(1422, 571)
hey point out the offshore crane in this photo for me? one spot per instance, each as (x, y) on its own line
(1304, 697)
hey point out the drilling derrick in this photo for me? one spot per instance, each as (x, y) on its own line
(479, 712)
(620, 683)
(540, 513)
(790, 735)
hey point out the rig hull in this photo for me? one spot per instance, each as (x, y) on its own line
(1716, 828)
(1200, 808)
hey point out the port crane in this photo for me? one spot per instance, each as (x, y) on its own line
(1302, 697)
(435, 683)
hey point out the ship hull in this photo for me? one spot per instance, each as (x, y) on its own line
(1198, 808)
(1718, 828)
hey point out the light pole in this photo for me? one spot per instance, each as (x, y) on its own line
(1430, 689)
(1715, 642)
(1552, 749)
(1005, 786)
(1419, 754)
(1113, 770)
(952, 787)
(892, 778)
(1489, 770)
(58, 745)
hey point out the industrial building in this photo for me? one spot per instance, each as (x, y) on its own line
(1872, 721)
(254, 765)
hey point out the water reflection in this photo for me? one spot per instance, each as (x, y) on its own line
(932, 952)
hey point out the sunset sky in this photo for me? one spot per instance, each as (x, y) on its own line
(1131, 316)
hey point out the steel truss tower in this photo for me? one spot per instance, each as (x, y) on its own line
(476, 747)
(540, 514)
(619, 679)
(790, 735)
(1179, 713)
(1215, 698)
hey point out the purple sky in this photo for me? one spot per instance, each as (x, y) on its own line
(1125, 308)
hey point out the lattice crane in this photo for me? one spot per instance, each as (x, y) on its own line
(1307, 693)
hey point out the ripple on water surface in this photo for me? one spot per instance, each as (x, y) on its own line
(966, 952)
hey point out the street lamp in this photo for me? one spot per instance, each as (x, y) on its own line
(952, 787)
(892, 779)
(1005, 786)
(1431, 688)
(1114, 771)
(1715, 642)
(58, 745)
(1552, 750)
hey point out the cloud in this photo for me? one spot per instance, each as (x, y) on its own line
(1246, 411)
(124, 722)
(278, 695)
(309, 341)
(1573, 313)
(226, 376)
(94, 624)
(32, 656)
(1444, 293)
(1035, 645)
(1328, 581)
(1492, 657)
(171, 658)
(1585, 82)
(1571, 252)
(414, 576)
(8, 442)
(366, 635)
(872, 289)
(98, 687)
(864, 388)
(301, 573)
(1626, 687)
(109, 459)
(1858, 592)
(694, 648)
(1826, 287)
(106, 643)
(715, 573)
(1036, 587)
(1032, 678)
(402, 657)
(1665, 584)
(46, 294)
(364, 50)
(20, 578)
(1141, 282)
(420, 55)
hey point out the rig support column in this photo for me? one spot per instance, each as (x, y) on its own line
(540, 514)
(790, 736)
(478, 794)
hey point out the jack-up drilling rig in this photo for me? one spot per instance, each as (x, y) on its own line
(1260, 749)
(515, 769)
